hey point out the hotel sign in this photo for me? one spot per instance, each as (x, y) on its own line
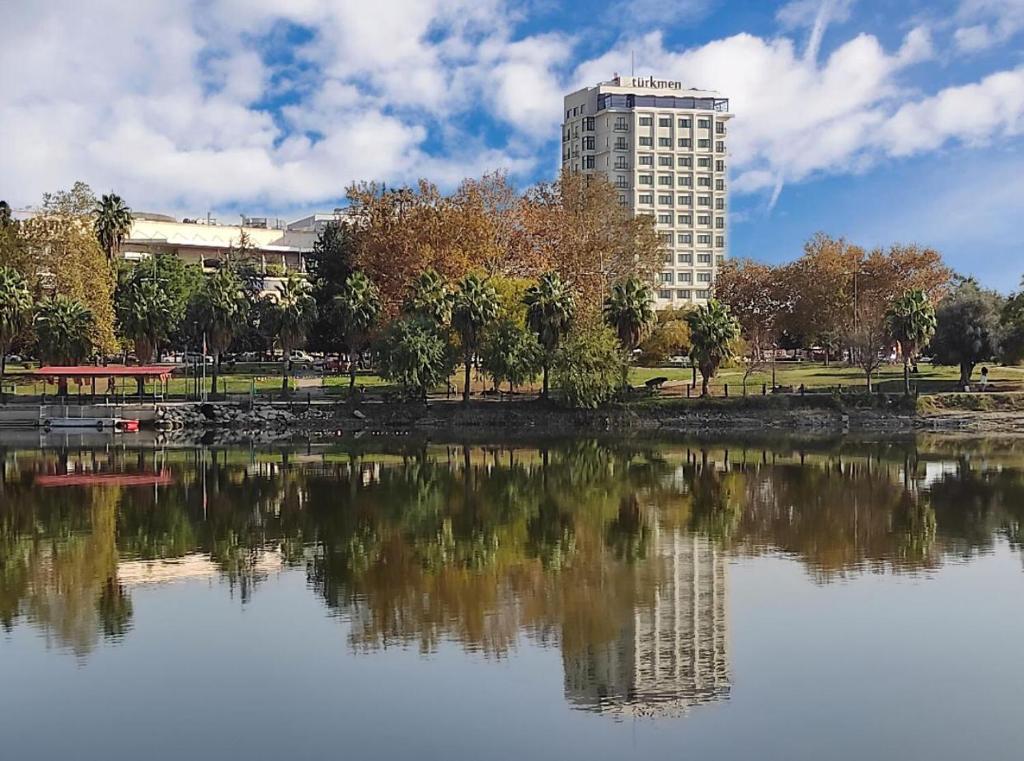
(657, 84)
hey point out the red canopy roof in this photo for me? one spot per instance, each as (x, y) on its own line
(108, 371)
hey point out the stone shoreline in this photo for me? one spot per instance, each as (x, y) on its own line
(225, 422)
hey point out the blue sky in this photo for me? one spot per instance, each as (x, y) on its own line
(878, 121)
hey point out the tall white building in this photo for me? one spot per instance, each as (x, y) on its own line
(664, 148)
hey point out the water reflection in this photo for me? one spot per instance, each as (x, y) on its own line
(617, 554)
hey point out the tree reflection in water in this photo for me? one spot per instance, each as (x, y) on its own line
(614, 552)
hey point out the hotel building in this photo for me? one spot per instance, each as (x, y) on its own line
(664, 149)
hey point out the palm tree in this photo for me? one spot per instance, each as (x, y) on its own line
(911, 321)
(112, 224)
(64, 333)
(145, 315)
(550, 308)
(219, 308)
(430, 297)
(15, 313)
(294, 313)
(712, 333)
(476, 306)
(359, 305)
(629, 311)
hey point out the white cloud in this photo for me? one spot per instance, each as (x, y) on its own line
(987, 23)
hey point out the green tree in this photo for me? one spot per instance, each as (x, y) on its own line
(414, 354)
(294, 312)
(475, 307)
(15, 313)
(1012, 323)
(64, 333)
(328, 268)
(112, 223)
(430, 297)
(629, 311)
(911, 321)
(217, 311)
(670, 338)
(359, 305)
(588, 367)
(967, 328)
(509, 353)
(550, 309)
(713, 330)
(145, 314)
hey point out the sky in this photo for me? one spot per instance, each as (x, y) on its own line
(875, 120)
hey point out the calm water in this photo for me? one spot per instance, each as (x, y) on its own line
(848, 600)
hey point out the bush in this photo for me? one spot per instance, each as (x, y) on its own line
(589, 368)
(414, 354)
(510, 354)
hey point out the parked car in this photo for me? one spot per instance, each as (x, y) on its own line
(194, 358)
(301, 358)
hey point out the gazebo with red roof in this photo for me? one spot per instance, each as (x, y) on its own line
(83, 373)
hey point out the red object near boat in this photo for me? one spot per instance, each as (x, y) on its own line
(128, 426)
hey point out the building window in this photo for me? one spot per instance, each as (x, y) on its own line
(622, 200)
(683, 293)
(666, 277)
(664, 294)
(646, 160)
(685, 238)
(684, 277)
(621, 144)
(664, 121)
(621, 182)
(703, 293)
(646, 141)
(588, 162)
(703, 277)
(665, 219)
(704, 239)
(647, 198)
(719, 260)
(704, 162)
(703, 182)
(665, 238)
(664, 142)
(719, 165)
(645, 179)
(720, 128)
(684, 219)
(704, 123)
(588, 143)
(664, 200)
(646, 121)
(703, 219)
(685, 161)
(719, 203)
(588, 124)
(667, 259)
(704, 200)
(719, 184)
(720, 223)
(719, 241)
(686, 258)
(665, 179)
(685, 181)
(703, 143)
(664, 161)
(684, 122)
(720, 146)
(621, 162)
(685, 200)
(684, 142)
(621, 124)
(703, 258)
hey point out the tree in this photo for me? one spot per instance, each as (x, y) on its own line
(64, 333)
(430, 297)
(145, 313)
(669, 338)
(713, 330)
(509, 353)
(328, 267)
(589, 366)
(15, 313)
(629, 311)
(112, 223)
(414, 354)
(868, 337)
(759, 298)
(359, 306)
(13, 251)
(1012, 324)
(475, 307)
(967, 328)
(550, 309)
(911, 322)
(217, 311)
(294, 312)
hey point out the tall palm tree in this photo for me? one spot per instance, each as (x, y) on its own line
(359, 305)
(911, 321)
(294, 313)
(145, 315)
(713, 330)
(430, 297)
(219, 309)
(15, 313)
(629, 311)
(112, 224)
(550, 308)
(64, 333)
(476, 306)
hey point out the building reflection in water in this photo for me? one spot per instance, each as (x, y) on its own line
(671, 655)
